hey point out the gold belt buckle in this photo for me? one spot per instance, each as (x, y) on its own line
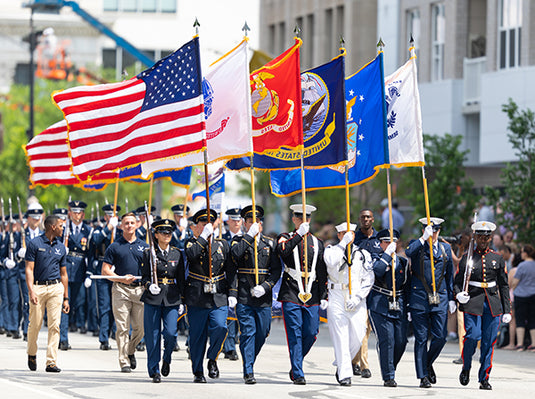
(484, 285)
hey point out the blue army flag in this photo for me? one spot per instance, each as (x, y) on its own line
(366, 137)
(322, 95)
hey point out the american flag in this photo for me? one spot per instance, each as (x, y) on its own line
(157, 114)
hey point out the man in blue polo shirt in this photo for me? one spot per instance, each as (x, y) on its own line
(45, 269)
(122, 260)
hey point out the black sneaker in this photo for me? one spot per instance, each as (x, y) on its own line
(356, 369)
(32, 362)
(52, 368)
(366, 373)
(133, 361)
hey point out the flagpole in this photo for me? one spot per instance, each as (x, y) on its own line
(434, 299)
(208, 214)
(184, 214)
(115, 206)
(394, 305)
(306, 296)
(150, 206)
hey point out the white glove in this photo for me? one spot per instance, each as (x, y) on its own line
(180, 309)
(207, 231)
(506, 318)
(324, 304)
(463, 297)
(114, 221)
(22, 253)
(151, 219)
(428, 232)
(452, 306)
(183, 222)
(87, 282)
(258, 290)
(254, 230)
(9, 263)
(154, 289)
(352, 303)
(303, 229)
(232, 302)
(391, 249)
(409, 316)
(347, 238)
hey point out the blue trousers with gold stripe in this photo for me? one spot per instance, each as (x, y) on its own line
(206, 322)
(484, 328)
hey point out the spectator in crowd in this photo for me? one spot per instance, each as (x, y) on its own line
(524, 293)
(397, 218)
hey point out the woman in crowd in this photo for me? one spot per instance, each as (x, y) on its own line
(524, 293)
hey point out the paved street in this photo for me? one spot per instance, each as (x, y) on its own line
(91, 373)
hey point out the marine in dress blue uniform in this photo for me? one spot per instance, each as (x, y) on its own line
(388, 320)
(234, 229)
(162, 297)
(254, 298)
(301, 318)
(207, 298)
(429, 318)
(486, 299)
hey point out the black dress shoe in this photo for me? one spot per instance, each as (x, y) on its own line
(140, 347)
(336, 376)
(105, 346)
(9, 333)
(485, 385)
(16, 335)
(213, 371)
(464, 377)
(390, 383)
(64, 346)
(156, 378)
(2, 330)
(96, 333)
(83, 330)
(356, 369)
(345, 382)
(199, 378)
(366, 373)
(133, 361)
(424, 383)
(176, 348)
(300, 381)
(25, 337)
(52, 368)
(249, 379)
(431, 375)
(73, 329)
(231, 355)
(165, 368)
(32, 362)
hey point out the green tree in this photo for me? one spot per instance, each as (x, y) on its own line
(518, 203)
(450, 191)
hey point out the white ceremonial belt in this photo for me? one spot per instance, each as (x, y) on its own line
(482, 285)
(338, 286)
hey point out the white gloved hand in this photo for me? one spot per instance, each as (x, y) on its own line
(452, 306)
(428, 232)
(207, 231)
(391, 249)
(114, 221)
(347, 238)
(506, 318)
(232, 302)
(324, 304)
(409, 316)
(183, 222)
(180, 309)
(87, 282)
(258, 290)
(154, 289)
(151, 219)
(352, 302)
(254, 229)
(463, 297)
(9, 263)
(22, 253)
(303, 229)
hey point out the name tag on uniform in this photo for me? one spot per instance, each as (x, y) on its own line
(41, 249)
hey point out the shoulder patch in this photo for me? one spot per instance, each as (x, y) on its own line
(189, 244)
(282, 239)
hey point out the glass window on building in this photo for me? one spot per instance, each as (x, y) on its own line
(164, 6)
(438, 23)
(413, 28)
(111, 5)
(509, 31)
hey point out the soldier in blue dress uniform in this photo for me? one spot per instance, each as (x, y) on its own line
(141, 231)
(486, 298)
(300, 298)
(207, 298)
(182, 232)
(12, 263)
(389, 314)
(234, 224)
(429, 312)
(254, 299)
(162, 297)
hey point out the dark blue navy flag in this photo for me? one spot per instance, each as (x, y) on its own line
(322, 94)
(366, 137)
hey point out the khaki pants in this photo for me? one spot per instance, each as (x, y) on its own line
(49, 297)
(128, 311)
(362, 356)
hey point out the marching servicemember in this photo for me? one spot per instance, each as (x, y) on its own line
(388, 313)
(302, 288)
(254, 299)
(182, 232)
(483, 293)
(428, 309)
(162, 275)
(346, 309)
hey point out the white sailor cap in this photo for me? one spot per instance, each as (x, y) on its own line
(343, 227)
(483, 228)
(435, 222)
(298, 209)
(35, 210)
